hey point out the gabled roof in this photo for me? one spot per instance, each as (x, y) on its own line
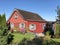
(29, 15)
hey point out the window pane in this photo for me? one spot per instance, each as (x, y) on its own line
(21, 25)
(16, 16)
(32, 27)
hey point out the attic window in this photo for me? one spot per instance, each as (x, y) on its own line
(16, 17)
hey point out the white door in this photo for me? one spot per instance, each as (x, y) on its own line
(12, 25)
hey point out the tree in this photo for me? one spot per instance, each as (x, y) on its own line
(58, 14)
(58, 20)
(3, 20)
(4, 36)
(0, 21)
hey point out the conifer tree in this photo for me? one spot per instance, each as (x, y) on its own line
(58, 20)
(58, 14)
(0, 22)
(3, 20)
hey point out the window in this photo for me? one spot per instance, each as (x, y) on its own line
(16, 16)
(32, 27)
(22, 25)
(12, 25)
(44, 26)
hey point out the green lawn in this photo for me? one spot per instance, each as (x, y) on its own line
(19, 37)
(56, 40)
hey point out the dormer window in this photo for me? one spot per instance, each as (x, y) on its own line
(16, 16)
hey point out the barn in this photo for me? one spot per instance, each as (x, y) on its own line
(21, 20)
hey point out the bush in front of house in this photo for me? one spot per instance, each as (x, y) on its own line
(35, 41)
(5, 32)
(9, 38)
(38, 41)
(57, 32)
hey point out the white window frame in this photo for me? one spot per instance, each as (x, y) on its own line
(20, 25)
(44, 26)
(16, 16)
(32, 28)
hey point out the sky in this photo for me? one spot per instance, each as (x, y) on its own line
(45, 8)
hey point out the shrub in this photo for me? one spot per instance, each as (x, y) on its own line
(9, 38)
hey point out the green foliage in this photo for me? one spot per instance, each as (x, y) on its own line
(39, 41)
(3, 36)
(57, 29)
(47, 33)
(3, 30)
(18, 37)
(35, 41)
(57, 32)
(2, 21)
(9, 38)
(58, 12)
(58, 22)
(3, 40)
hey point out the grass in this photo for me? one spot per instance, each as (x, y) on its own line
(56, 40)
(19, 37)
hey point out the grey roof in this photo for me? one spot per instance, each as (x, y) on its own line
(30, 16)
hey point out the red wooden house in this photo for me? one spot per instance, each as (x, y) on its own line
(24, 20)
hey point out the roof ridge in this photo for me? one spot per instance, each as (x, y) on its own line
(25, 11)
